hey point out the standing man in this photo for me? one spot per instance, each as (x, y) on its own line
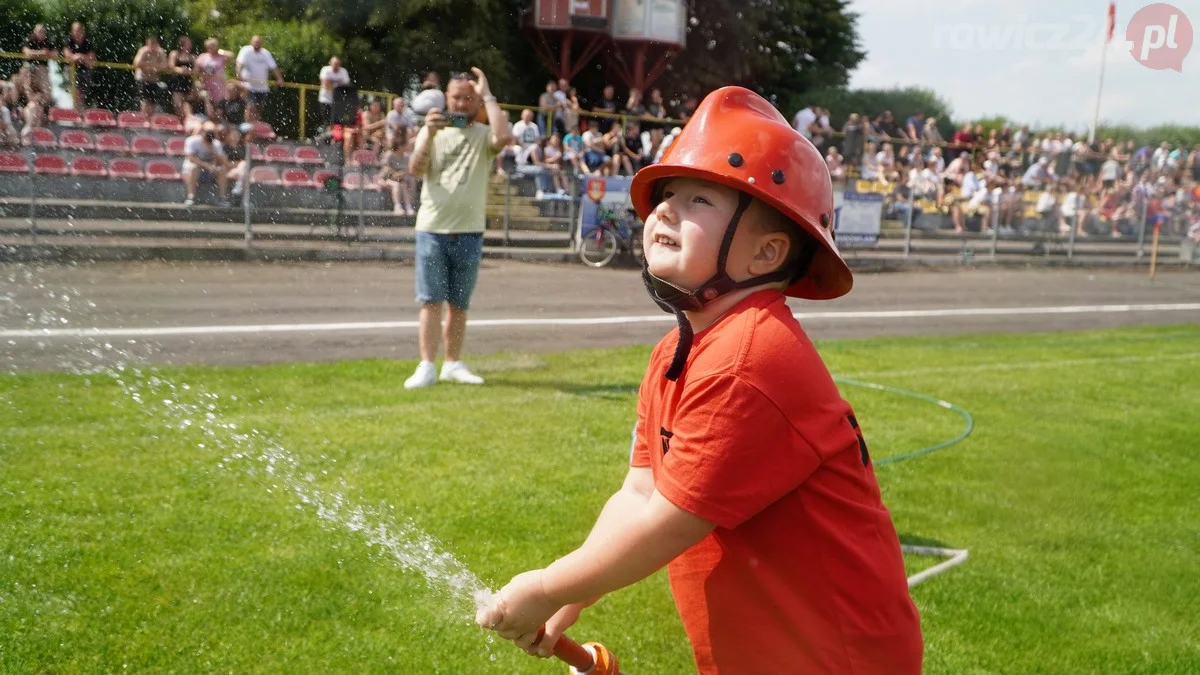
(79, 51)
(454, 156)
(331, 76)
(254, 65)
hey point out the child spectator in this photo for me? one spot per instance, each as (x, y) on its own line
(833, 161)
(573, 150)
(394, 175)
(750, 478)
(553, 158)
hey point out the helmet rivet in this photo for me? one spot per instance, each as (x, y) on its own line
(777, 176)
(825, 220)
(735, 160)
(750, 180)
(710, 293)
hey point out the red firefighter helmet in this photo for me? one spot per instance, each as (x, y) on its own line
(738, 139)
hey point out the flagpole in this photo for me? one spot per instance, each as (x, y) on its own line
(1099, 91)
(1103, 60)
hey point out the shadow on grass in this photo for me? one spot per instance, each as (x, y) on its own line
(915, 540)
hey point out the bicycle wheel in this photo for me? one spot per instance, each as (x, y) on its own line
(598, 247)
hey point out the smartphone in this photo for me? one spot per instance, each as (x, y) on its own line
(458, 120)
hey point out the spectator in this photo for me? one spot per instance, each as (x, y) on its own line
(149, 64)
(548, 105)
(255, 65)
(79, 51)
(656, 108)
(370, 133)
(833, 160)
(1193, 163)
(963, 140)
(331, 76)
(1037, 177)
(930, 135)
(233, 107)
(914, 127)
(595, 156)
(629, 155)
(9, 136)
(526, 136)
(971, 199)
(657, 145)
(885, 125)
(573, 150)
(455, 164)
(205, 162)
(194, 122)
(821, 128)
(552, 158)
(805, 120)
(853, 138)
(236, 144)
(1109, 172)
(688, 108)
(399, 120)
(608, 105)
(886, 161)
(394, 174)
(39, 50)
(181, 62)
(562, 99)
(870, 163)
(211, 66)
(633, 106)
(1073, 211)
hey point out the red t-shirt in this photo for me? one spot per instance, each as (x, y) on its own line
(803, 573)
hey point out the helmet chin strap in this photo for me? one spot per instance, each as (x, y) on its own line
(676, 300)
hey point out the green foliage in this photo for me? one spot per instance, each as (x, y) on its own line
(118, 28)
(17, 18)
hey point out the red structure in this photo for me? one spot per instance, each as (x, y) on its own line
(638, 38)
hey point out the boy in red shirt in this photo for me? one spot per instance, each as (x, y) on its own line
(749, 479)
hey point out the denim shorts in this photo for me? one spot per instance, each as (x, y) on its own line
(447, 267)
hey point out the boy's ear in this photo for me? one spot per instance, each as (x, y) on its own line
(771, 252)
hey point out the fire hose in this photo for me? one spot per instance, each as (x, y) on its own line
(592, 658)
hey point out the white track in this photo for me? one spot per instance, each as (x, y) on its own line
(169, 331)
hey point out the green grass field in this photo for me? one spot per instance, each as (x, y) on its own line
(131, 540)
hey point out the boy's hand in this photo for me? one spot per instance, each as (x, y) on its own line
(555, 627)
(519, 610)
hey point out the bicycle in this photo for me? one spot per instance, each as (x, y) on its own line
(613, 235)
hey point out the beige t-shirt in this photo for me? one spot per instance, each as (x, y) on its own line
(454, 191)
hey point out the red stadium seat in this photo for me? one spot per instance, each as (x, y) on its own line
(354, 179)
(364, 158)
(130, 119)
(88, 166)
(176, 147)
(166, 122)
(322, 175)
(99, 117)
(51, 165)
(263, 130)
(125, 168)
(256, 153)
(110, 142)
(279, 153)
(264, 175)
(161, 169)
(76, 139)
(65, 116)
(13, 163)
(296, 178)
(307, 154)
(40, 137)
(147, 145)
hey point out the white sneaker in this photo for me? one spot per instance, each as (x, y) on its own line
(424, 376)
(189, 201)
(456, 371)
(540, 195)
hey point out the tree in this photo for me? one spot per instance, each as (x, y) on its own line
(17, 18)
(870, 102)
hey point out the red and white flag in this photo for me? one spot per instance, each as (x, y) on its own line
(1112, 19)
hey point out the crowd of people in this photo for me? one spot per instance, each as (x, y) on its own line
(1091, 188)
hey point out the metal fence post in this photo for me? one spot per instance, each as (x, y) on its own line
(246, 183)
(362, 201)
(507, 205)
(995, 218)
(908, 221)
(33, 232)
(1141, 249)
(573, 211)
(1071, 234)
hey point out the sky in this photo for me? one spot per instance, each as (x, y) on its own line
(1033, 61)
